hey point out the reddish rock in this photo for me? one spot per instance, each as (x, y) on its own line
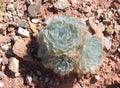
(33, 10)
(4, 39)
(20, 48)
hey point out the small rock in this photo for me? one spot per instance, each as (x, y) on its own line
(10, 29)
(116, 27)
(97, 21)
(1, 84)
(97, 77)
(2, 75)
(10, 7)
(110, 15)
(28, 79)
(23, 32)
(119, 50)
(14, 66)
(34, 20)
(11, 1)
(1, 59)
(74, 2)
(45, 0)
(29, 1)
(109, 30)
(107, 43)
(101, 26)
(20, 47)
(93, 26)
(118, 11)
(61, 4)
(38, 73)
(33, 10)
(86, 10)
(8, 17)
(88, 0)
(23, 24)
(48, 20)
(35, 78)
(20, 9)
(99, 12)
(46, 79)
(10, 52)
(4, 47)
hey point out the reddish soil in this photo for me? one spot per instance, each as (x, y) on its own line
(107, 76)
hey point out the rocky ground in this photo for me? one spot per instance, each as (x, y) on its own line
(20, 22)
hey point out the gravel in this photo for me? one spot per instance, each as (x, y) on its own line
(61, 4)
(23, 32)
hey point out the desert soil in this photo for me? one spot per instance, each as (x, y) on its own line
(20, 22)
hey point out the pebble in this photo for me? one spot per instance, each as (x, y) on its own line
(34, 21)
(22, 24)
(74, 2)
(10, 29)
(101, 26)
(61, 4)
(28, 79)
(119, 50)
(35, 78)
(118, 11)
(14, 66)
(2, 75)
(107, 43)
(8, 17)
(20, 13)
(10, 52)
(33, 10)
(10, 7)
(23, 32)
(48, 20)
(97, 21)
(110, 15)
(116, 27)
(38, 73)
(46, 79)
(29, 1)
(20, 47)
(97, 77)
(1, 84)
(109, 30)
(11, 1)
(4, 47)
(1, 59)
(93, 26)
(99, 12)
(45, 0)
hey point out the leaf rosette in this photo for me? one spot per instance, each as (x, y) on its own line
(91, 55)
(63, 65)
(67, 45)
(62, 35)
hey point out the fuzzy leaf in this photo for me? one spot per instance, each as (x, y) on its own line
(62, 36)
(91, 55)
(63, 65)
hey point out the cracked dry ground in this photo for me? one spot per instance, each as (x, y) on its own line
(20, 22)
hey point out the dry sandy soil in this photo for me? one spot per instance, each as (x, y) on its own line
(32, 73)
